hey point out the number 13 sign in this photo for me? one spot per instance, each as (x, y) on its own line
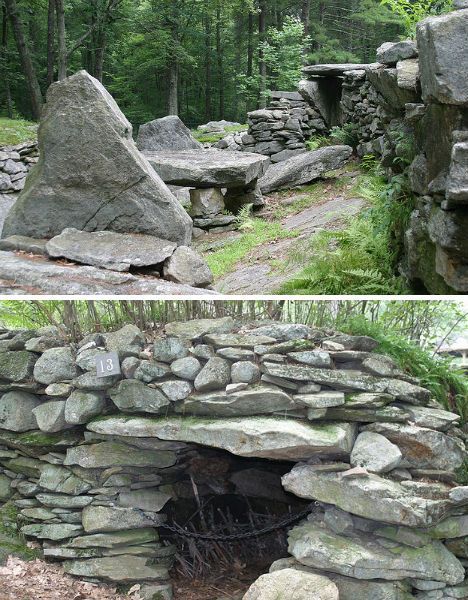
(107, 364)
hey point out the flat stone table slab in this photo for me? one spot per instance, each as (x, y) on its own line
(209, 168)
(331, 70)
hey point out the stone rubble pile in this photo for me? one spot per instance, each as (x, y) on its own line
(92, 462)
(15, 163)
(282, 129)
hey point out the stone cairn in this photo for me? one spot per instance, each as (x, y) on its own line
(15, 164)
(281, 130)
(90, 462)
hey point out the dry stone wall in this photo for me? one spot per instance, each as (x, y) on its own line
(15, 164)
(93, 462)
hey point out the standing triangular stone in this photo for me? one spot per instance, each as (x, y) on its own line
(90, 175)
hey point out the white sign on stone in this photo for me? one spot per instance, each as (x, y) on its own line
(107, 364)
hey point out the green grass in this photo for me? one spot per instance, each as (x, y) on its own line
(362, 258)
(256, 232)
(16, 131)
(212, 138)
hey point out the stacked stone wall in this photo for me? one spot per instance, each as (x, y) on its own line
(15, 164)
(91, 462)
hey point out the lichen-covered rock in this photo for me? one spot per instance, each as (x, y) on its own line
(290, 584)
(50, 416)
(284, 332)
(56, 364)
(82, 406)
(16, 411)
(188, 267)
(314, 358)
(100, 519)
(149, 370)
(245, 371)
(197, 328)
(16, 366)
(186, 368)
(370, 496)
(119, 569)
(55, 478)
(216, 374)
(263, 437)
(390, 53)
(175, 389)
(132, 395)
(169, 349)
(53, 531)
(113, 189)
(127, 341)
(117, 454)
(375, 453)
(361, 556)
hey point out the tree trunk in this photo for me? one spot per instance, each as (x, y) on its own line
(250, 49)
(62, 43)
(261, 62)
(50, 42)
(26, 60)
(305, 16)
(220, 58)
(173, 93)
(99, 53)
(208, 85)
(8, 102)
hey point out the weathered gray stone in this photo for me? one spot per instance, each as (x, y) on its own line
(408, 74)
(170, 349)
(186, 368)
(368, 400)
(56, 532)
(168, 133)
(235, 354)
(350, 380)
(251, 401)
(55, 478)
(291, 583)
(385, 81)
(175, 389)
(432, 418)
(82, 406)
(320, 399)
(114, 454)
(206, 202)
(208, 168)
(188, 267)
(459, 494)
(245, 371)
(314, 358)
(16, 366)
(50, 416)
(56, 364)
(149, 370)
(457, 180)
(5, 488)
(422, 447)
(372, 497)
(329, 70)
(64, 501)
(360, 343)
(197, 328)
(284, 332)
(129, 537)
(110, 250)
(238, 340)
(132, 395)
(362, 557)
(16, 411)
(118, 569)
(216, 374)
(101, 519)
(113, 189)
(304, 168)
(390, 53)
(127, 341)
(375, 453)
(263, 437)
(442, 43)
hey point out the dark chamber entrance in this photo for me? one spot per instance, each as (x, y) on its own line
(219, 494)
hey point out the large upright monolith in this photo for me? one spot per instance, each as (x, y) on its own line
(90, 175)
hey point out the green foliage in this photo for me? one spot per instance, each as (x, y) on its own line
(362, 258)
(318, 141)
(255, 232)
(11, 540)
(461, 474)
(212, 138)
(348, 134)
(369, 163)
(413, 11)
(16, 131)
(448, 386)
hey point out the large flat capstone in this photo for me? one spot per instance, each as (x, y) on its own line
(208, 168)
(110, 250)
(90, 174)
(304, 168)
(263, 437)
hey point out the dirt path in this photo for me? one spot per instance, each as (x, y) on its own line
(268, 265)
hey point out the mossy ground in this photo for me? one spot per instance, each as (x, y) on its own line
(213, 138)
(11, 540)
(16, 131)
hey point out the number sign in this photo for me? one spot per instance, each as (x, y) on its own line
(107, 364)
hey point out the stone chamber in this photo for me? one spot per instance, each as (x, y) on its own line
(222, 429)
